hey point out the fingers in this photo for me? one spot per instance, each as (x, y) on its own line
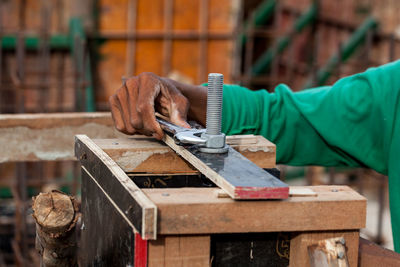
(132, 86)
(149, 90)
(175, 104)
(133, 105)
(122, 97)
(116, 114)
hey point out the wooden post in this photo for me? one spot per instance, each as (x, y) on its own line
(55, 214)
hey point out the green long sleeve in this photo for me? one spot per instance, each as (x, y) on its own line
(355, 122)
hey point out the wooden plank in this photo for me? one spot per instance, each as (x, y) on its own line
(180, 251)
(371, 255)
(107, 236)
(200, 211)
(299, 245)
(34, 137)
(145, 154)
(138, 209)
(233, 173)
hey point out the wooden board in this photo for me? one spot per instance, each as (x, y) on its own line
(233, 173)
(144, 154)
(185, 251)
(372, 255)
(137, 208)
(107, 237)
(200, 211)
(35, 137)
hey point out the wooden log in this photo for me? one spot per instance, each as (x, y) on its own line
(56, 215)
(200, 211)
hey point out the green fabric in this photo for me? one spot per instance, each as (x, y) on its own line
(355, 122)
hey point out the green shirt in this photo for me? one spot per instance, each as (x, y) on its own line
(355, 122)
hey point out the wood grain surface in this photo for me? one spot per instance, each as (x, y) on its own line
(200, 211)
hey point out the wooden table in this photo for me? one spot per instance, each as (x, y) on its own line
(132, 216)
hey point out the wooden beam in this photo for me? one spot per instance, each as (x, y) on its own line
(35, 137)
(140, 154)
(371, 255)
(134, 205)
(200, 211)
(232, 172)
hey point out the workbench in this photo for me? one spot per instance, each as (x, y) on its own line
(143, 205)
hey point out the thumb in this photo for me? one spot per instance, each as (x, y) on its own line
(178, 119)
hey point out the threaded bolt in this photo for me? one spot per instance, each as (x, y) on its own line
(214, 103)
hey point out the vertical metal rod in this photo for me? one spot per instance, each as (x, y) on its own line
(275, 63)
(131, 43)
(167, 44)
(203, 42)
(214, 103)
(238, 44)
(77, 55)
(248, 57)
(44, 57)
(1, 55)
(83, 81)
(316, 49)
(60, 60)
(20, 54)
(290, 61)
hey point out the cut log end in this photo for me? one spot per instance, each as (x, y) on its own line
(54, 211)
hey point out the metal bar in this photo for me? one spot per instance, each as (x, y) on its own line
(1, 56)
(32, 42)
(131, 45)
(248, 57)
(238, 46)
(203, 43)
(77, 70)
(162, 35)
(275, 61)
(167, 42)
(60, 69)
(44, 57)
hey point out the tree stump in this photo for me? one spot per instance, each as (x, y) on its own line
(56, 215)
